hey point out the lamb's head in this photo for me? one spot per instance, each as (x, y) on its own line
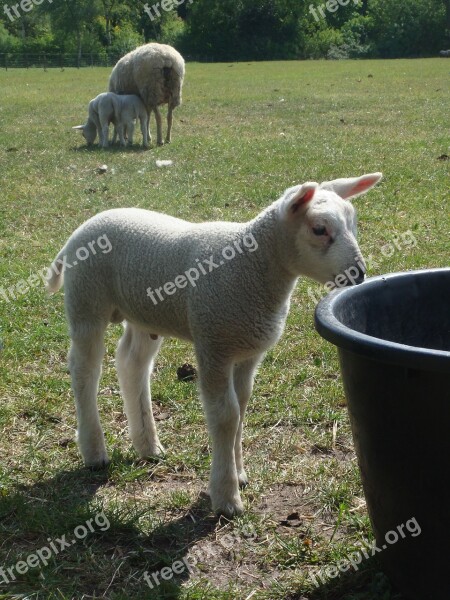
(89, 131)
(320, 227)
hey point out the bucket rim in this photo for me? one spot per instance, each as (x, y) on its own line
(346, 338)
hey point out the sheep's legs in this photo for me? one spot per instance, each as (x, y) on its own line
(244, 374)
(105, 136)
(130, 132)
(159, 136)
(222, 415)
(134, 360)
(169, 125)
(122, 130)
(144, 131)
(85, 364)
(149, 135)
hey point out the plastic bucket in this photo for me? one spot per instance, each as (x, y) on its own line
(393, 337)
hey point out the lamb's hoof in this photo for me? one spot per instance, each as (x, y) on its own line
(97, 464)
(230, 509)
(243, 480)
(227, 504)
(152, 451)
(160, 143)
(98, 467)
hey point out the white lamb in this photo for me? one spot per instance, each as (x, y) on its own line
(155, 72)
(224, 286)
(122, 111)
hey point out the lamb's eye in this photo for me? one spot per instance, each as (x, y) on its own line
(319, 230)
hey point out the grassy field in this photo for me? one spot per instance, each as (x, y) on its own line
(244, 133)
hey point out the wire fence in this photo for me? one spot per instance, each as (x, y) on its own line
(25, 60)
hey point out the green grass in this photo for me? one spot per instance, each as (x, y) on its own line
(244, 133)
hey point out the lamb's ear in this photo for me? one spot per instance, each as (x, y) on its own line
(79, 127)
(355, 186)
(303, 195)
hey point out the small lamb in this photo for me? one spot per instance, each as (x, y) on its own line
(224, 286)
(122, 111)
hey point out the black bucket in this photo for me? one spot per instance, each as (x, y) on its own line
(393, 336)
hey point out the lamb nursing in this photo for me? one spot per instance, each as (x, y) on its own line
(155, 72)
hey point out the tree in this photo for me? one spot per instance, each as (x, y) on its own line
(407, 28)
(74, 20)
(245, 29)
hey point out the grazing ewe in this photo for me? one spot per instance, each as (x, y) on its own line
(155, 72)
(224, 286)
(122, 111)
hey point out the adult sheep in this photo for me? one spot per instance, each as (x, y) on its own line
(155, 72)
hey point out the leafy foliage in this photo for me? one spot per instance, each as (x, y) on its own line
(224, 30)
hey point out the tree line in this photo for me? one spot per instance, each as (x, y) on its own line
(228, 30)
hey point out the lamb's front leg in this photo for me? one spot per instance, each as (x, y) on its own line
(222, 415)
(244, 374)
(104, 138)
(130, 131)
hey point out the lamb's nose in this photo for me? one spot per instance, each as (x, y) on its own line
(355, 275)
(360, 277)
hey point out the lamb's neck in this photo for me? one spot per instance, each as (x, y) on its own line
(278, 281)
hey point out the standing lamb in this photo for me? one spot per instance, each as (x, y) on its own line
(224, 286)
(155, 72)
(122, 111)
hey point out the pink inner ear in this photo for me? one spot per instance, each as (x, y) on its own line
(363, 185)
(308, 195)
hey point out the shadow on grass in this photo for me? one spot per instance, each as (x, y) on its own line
(112, 149)
(368, 583)
(107, 561)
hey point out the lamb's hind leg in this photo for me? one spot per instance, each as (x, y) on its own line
(222, 415)
(244, 374)
(134, 359)
(85, 360)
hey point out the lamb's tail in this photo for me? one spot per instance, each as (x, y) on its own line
(54, 278)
